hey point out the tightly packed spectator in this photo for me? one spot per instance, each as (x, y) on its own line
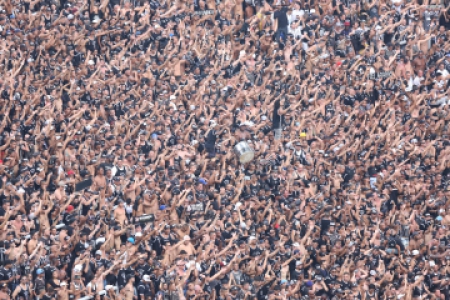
(224, 149)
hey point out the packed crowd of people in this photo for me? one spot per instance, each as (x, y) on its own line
(124, 124)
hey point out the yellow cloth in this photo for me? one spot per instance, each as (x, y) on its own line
(260, 16)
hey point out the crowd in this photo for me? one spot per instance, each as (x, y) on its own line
(120, 125)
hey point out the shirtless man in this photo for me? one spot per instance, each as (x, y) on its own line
(187, 246)
(77, 286)
(119, 213)
(116, 236)
(238, 10)
(63, 292)
(130, 191)
(97, 284)
(446, 220)
(150, 204)
(43, 215)
(416, 241)
(419, 62)
(4, 292)
(100, 183)
(129, 289)
(400, 69)
(60, 193)
(17, 223)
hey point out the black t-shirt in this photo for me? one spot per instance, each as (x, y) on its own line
(143, 269)
(296, 273)
(210, 140)
(348, 174)
(111, 279)
(277, 119)
(226, 235)
(349, 100)
(373, 170)
(5, 274)
(48, 297)
(2, 211)
(143, 289)
(157, 281)
(281, 17)
(263, 291)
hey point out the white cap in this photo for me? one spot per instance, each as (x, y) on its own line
(373, 272)
(98, 252)
(415, 252)
(172, 97)
(91, 62)
(186, 238)
(146, 278)
(70, 17)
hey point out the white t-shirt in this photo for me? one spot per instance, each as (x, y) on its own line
(417, 80)
(293, 16)
(295, 31)
(444, 72)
